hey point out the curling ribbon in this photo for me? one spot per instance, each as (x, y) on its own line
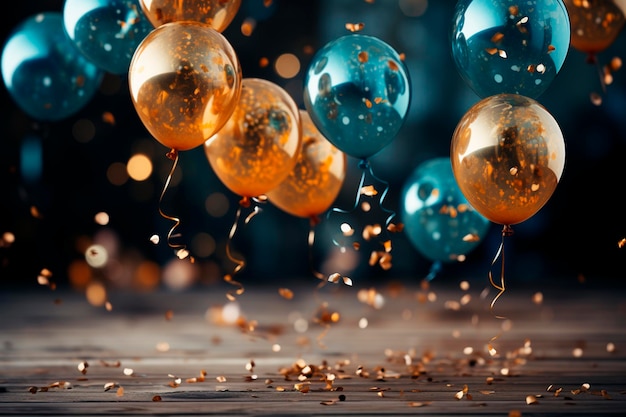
(180, 249)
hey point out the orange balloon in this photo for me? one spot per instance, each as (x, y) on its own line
(315, 181)
(217, 14)
(508, 154)
(260, 143)
(185, 81)
(595, 24)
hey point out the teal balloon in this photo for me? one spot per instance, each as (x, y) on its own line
(510, 46)
(438, 220)
(357, 91)
(107, 32)
(45, 74)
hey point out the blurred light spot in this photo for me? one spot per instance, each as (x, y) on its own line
(203, 245)
(83, 130)
(179, 274)
(96, 256)
(413, 8)
(102, 218)
(276, 347)
(7, 239)
(231, 312)
(108, 118)
(147, 275)
(363, 323)
(31, 160)
(301, 325)
(217, 204)
(287, 65)
(96, 294)
(139, 167)
(162, 346)
(116, 173)
(247, 27)
(79, 273)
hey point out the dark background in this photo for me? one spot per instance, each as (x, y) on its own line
(572, 240)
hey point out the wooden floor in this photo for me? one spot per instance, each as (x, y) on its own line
(338, 350)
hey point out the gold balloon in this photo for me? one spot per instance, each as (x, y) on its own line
(508, 154)
(185, 81)
(260, 143)
(217, 14)
(595, 24)
(315, 181)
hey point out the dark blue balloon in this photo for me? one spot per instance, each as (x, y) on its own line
(510, 46)
(45, 74)
(438, 220)
(107, 32)
(357, 92)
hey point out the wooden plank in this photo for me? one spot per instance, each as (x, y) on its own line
(422, 352)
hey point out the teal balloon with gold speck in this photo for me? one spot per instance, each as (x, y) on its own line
(45, 74)
(510, 46)
(107, 32)
(438, 220)
(357, 91)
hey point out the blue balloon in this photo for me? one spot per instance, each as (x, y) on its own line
(438, 220)
(510, 46)
(45, 74)
(107, 32)
(357, 92)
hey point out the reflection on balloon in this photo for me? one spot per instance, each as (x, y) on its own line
(316, 179)
(508, 154)
(45, 74)
(217, 14)
(185, 81)
(357, 92)
(510, 46)
(259, 145)
(595, 24)
(438, 220)
(107, 32)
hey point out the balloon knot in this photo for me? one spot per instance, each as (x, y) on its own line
(314, 220)
(245, 202)
(591, 58)
(364, 164)
(172, 154)
(507, 230)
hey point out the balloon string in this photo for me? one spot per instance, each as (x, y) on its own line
(364, 164)
(181, 249)
(356, 204)
(600, 70)
(314, 221)
(506, 231)
(239, 263)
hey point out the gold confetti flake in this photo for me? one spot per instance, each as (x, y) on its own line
(369, 190)
(363, 57)
(120, 392)
(110, 385)
(108, 118)
(531, 399)
(128, 371)
(156, 398)
(82, 367)
(355, 27)
(286, 293)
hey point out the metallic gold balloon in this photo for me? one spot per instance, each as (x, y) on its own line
(218, 14)
(595, 23)
(508, 154)
(185, 81)
(315, 181)
(259, 145)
